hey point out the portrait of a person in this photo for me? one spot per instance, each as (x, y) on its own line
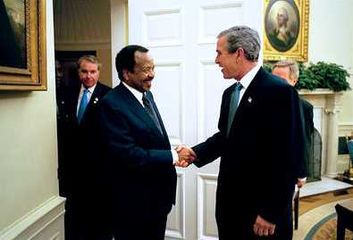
(282, 24)
(13, 39)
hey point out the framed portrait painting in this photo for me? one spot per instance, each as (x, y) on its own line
(22, 45)
(286, 24)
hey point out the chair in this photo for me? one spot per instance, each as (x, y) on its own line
(344, 218)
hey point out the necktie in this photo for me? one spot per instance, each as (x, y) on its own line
(233, 105)
(151, 112)
(83, 105)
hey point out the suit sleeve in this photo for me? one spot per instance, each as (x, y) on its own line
(213, 147)
(209, 150)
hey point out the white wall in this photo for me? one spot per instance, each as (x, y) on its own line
(331, 40)
(28, 155)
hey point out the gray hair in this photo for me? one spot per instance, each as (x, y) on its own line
(243, 37)
(292, 65)
(89, 58)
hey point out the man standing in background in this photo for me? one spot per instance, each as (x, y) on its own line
(289, 71)
(79, 156)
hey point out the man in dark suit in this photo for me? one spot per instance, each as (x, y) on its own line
(79, 153)
(139, 159)
(289, 71)
(258, 144)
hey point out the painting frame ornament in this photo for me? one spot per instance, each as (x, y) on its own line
(23, 63)
(285, 30)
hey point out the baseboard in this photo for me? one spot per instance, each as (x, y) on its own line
(43, 223)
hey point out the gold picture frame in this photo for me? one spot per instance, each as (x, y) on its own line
(23, 45)
(286, 25)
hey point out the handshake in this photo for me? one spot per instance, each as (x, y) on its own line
(186, 156)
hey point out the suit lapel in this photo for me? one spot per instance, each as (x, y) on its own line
(95, 97)
(135, 106)
(223, 121)
(251, 94)
(249, 98)
(158, 115)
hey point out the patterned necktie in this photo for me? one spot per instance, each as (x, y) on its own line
(233, 105)
(151, 112)
(83, 105)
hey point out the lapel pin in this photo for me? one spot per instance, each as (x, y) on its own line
(249, 99)
(95, 100)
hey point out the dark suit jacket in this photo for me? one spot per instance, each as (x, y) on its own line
(79, 154)
(80, 166)
(308, 122)
(256, 174)
(138, 158)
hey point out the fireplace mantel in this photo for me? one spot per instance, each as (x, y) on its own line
(327, 105)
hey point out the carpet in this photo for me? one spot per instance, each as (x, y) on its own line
(326, 229)
(319, 224)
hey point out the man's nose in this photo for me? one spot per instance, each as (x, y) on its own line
(216, 60)
(151, 73)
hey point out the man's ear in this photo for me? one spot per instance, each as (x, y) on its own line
(126, 74)
(241, 52)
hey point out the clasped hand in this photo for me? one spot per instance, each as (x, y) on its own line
(262, 227)
(186, 156)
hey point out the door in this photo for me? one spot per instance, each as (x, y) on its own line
(188, 86)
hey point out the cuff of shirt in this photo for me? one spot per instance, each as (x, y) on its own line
(302, 179)
(174, 155)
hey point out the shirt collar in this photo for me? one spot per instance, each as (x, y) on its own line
(90, 90)
(138, 95)
(249, 76)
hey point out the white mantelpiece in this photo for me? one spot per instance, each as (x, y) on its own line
(327, 105)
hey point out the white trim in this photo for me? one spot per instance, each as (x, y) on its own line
(345, 129)
(37, 221)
